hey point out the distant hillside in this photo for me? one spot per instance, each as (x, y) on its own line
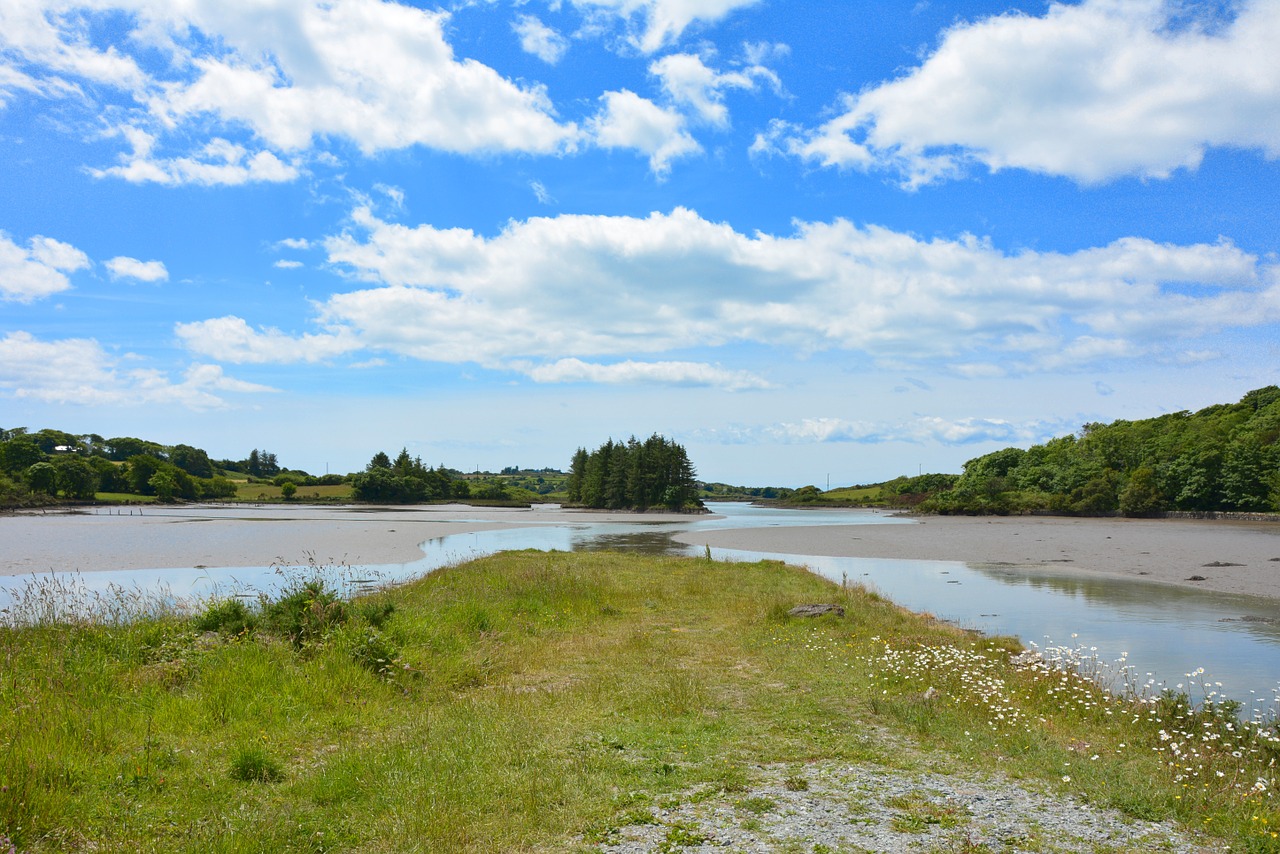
(1222, 458)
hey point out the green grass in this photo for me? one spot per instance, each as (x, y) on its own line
(526, 700)
(860, 495)
(123, 498)
(270, 492)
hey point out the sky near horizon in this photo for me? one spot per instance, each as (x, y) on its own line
(812, 242)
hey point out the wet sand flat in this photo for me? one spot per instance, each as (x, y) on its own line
(1165, 550)
(243, 536)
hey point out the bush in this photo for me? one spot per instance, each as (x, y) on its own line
(227, 617)
(305, 613)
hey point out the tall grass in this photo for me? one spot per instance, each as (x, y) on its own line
(537, 701)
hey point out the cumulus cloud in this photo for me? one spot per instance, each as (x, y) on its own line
(574, 286)
(629, 121)
(38, 270)
(124, 267)
(654, 24)
(1090, 91)
(231, 339)
(81, 371)
(379, 74)
(284, 264)
(690, 83)
(633, 373)
(540, 40)
(218, 163)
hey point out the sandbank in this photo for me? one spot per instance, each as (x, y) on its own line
(216, 536)
(1165, 550)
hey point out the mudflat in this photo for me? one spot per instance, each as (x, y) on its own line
(239, 536)
(1230, 557)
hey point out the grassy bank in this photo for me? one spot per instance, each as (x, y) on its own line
(547, 701)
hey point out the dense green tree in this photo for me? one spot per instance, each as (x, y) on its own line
(77, 479)
(1223, 457)
(141, 469)
(163, 485)
(122, 448)
(577, 471)
(1141, 495)
(634, 475)
(193, 461)
(19, 454)
(43, 477)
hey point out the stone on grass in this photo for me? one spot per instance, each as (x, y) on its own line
(816, 610)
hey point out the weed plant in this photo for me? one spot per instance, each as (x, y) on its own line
(542, 701)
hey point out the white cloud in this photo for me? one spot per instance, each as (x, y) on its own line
(231, 339)
(294, 243)
(572, 287)
(123, 267)
(690, 83)
(39, 270)
(629, 121)
(664, 21)
(540, 193)
(80, 371)
(631, 373)
(540, 40)
(920, 430)
(379, 74)
(219, 162)
(1091, 91)
(283, 264)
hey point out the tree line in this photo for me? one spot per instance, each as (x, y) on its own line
(633, 475)
(37, 467)
(405, 480)
(1223, 458)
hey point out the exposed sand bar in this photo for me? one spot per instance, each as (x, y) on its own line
(1166, 550)
(245, 536)
(1169, 551)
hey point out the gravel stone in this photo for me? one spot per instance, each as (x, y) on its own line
(839, 807)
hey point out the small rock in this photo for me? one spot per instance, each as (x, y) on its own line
(1221, 563)
(816, 610)
(1197, 578)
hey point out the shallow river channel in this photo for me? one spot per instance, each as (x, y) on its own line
(1166, 632)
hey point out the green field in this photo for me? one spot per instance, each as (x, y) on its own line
(549, 701)
(270, 492)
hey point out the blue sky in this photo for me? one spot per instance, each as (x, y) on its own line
(806, 240)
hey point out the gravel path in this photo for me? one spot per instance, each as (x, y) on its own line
(829, 807)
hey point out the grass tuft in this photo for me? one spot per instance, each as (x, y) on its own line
(252, 764)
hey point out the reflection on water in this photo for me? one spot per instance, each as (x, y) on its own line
(1167, 631)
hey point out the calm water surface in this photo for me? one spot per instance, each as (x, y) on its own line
(1167, 632)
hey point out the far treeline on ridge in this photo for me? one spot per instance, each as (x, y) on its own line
(50, 466)
(1224, 458)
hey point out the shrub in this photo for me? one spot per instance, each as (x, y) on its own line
(305, 613)
(228, 617)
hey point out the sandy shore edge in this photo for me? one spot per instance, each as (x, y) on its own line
(1228, 557)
